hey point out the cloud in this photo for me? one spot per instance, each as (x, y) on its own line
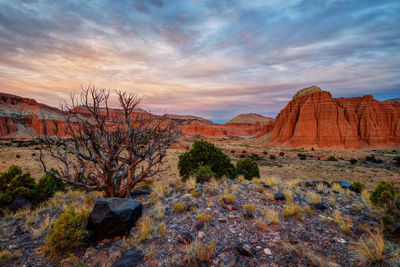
(209, 58)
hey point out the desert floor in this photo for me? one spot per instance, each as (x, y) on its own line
(287, 167)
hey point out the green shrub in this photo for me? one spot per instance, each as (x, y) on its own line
(281, 154)
(353, 161)
(203, 173)
(66, 233)
(357, 187)
(397, 161)
(248, 168)
(373, 159)
(5, 199)
(391, 218)
(48, 185)
(384, 193)
(265, 152)
(272, 157)
(14, 183)
(301, 156)
(244, 151)
(12, 172)
(332, 158)
(255, 157)
(205, 153)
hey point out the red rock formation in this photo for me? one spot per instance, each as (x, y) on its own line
(314, 119)
(22, 118)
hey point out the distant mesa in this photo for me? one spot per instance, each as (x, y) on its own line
(250, 118)
(313, 118)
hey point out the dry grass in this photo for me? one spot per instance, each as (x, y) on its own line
(248, 208)
(332, 201)
(199, 252)
(204, 251)
(4, 255)
(159, 189)
(190, 183)
(235, 188)
(144, 228)
(337, 188)
(210, 203)
(268, 195)
(308, 254)
(272, 215)
(196, 193)
(288, 194)
(214, 184)
(321, 187)
(271, 181)
(293, 183)
(161, 228)
(159, 211)
(309, 210)
(313, 197)
(36, 233)
(228, 198)
(343, 221)
(203, 217)
(370, 249)
(291, 209)
(180, 207)
(260, 225)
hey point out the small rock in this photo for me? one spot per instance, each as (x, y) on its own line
(185, 238)
(19, 203)
(319, 206)
(200, 234)
(266, 186)
(199, 226)
(343, 183)
(229, 207)
(279, 196)
(267, 251)
(129, 259)
(248, 214)
(220, 219)
(244, 249)
(135, 193)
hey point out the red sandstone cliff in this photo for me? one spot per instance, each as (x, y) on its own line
(314, 119)
(22, 118)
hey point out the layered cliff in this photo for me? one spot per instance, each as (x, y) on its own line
(23, 118)
(314, 119)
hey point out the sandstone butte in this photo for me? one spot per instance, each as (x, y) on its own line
(314, 119)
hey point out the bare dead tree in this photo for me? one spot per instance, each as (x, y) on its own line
(107, 150)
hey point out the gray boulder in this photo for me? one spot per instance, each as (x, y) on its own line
(112, 217)
(279, 196)
(344, 183)
(131, 258)
(19, 203)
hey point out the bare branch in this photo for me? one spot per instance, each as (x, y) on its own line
(104, 149)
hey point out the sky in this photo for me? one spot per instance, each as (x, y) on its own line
(211, 58)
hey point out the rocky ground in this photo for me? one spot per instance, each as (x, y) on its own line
(239, 231)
